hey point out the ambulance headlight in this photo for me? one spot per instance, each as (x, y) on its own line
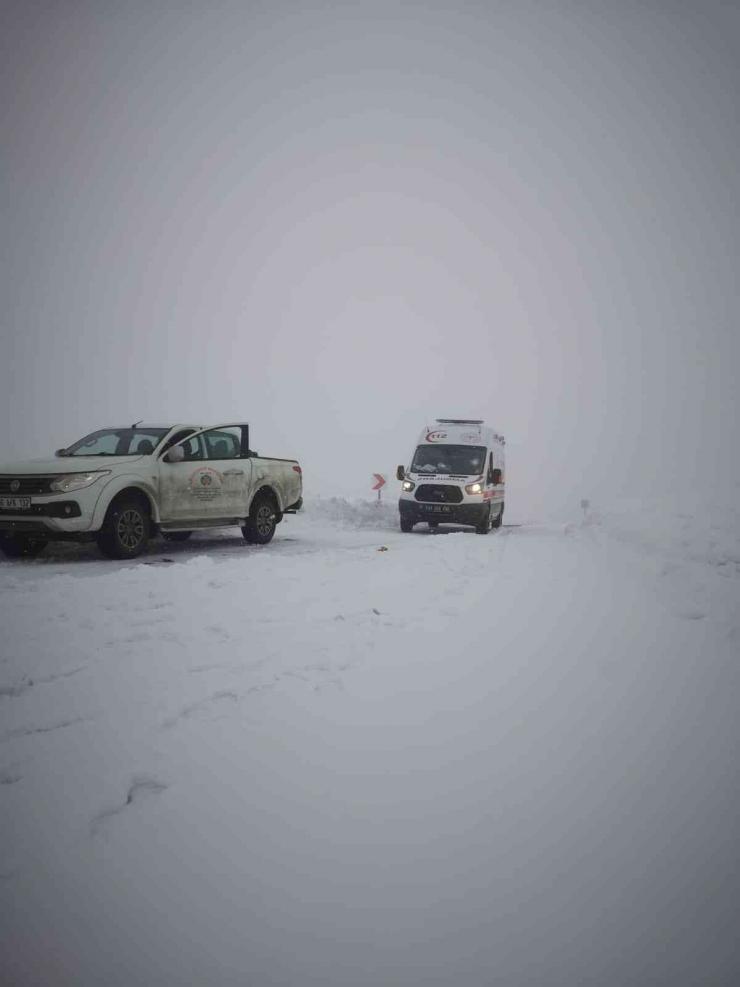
(474, 488)
(408, 485)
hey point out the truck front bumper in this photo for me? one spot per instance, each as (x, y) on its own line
(52, 519)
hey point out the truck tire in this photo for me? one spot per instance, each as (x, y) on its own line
(176, 535)
(262, 520)
(406, 525)
(126, 530)
(18, 546)
(500, 519)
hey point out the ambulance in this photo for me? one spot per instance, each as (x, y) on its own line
(455, 476)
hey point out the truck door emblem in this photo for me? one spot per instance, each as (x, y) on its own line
(203, 483)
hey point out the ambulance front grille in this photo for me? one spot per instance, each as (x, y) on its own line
(436, 493)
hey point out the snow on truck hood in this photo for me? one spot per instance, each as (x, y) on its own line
(65, 464)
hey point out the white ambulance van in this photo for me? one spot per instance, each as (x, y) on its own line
(455, 476)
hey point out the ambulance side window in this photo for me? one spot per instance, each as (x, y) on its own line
(489, 478)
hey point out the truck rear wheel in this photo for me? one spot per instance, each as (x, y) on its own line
(260, 526)
(18, 546)
(126, 530)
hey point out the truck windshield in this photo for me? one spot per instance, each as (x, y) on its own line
(460, 460)
(118, 442)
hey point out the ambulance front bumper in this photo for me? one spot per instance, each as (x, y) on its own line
(411, 510)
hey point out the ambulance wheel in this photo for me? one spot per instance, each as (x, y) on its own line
(484, 525)
(406, 525)
(500, 519)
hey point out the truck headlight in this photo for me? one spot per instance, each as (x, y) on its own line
(408, 485)
(76, 481)
(474, 488)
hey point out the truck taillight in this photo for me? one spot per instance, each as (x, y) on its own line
(297, 469)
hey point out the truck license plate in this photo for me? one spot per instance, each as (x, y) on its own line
(437, 509)
(15, 503)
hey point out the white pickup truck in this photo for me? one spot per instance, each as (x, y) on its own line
(121, 486)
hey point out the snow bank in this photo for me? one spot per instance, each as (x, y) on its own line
(354, 513)
(709, 536)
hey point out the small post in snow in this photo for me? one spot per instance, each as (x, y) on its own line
(380, 482)
(585, 504)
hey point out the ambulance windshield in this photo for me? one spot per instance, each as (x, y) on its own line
(458, 460)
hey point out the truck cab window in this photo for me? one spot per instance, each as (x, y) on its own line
(223, 443)
(177, 437)
(193, 449)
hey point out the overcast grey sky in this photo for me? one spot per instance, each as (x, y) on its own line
(340, 220)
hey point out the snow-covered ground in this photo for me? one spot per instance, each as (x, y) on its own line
(361, 758)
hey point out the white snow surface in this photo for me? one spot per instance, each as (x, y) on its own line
(358, 757)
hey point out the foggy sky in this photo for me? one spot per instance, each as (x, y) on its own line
(338, 221)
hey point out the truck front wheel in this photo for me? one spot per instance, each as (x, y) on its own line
(406, 525)
(126, 530)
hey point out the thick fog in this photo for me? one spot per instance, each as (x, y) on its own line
(339, 221)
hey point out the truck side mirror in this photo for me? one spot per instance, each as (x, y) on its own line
(61, 452)
(496, 476)
(175, 455)
(400, 473)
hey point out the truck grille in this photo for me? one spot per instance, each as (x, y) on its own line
(437, 493)
(26, 485)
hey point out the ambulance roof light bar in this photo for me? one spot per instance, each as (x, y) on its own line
(459, 421)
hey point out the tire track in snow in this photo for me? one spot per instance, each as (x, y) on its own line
(27, 682)
(141, 789)
(33, 731)
(199, 706)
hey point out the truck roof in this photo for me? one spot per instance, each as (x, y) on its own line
(145, 425)
(166, 425)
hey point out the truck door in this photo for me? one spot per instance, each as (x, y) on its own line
(210, 480)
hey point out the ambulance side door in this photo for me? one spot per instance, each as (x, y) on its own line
(495, 480)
